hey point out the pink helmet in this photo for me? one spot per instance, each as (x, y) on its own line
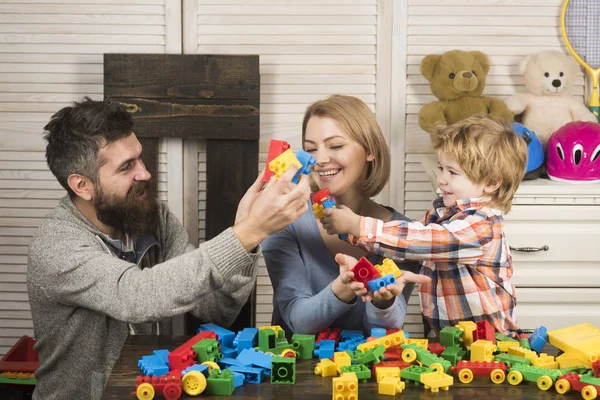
(572, 153)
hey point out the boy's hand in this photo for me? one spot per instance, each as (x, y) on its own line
(341, 220)
(344, 287)
(390, 291)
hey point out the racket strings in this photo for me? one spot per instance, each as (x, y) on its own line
(582, 28)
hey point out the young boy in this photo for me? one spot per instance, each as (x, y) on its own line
(460, 241)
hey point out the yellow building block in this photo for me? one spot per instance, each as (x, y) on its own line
(504, 346)
(326, 367)
(436, 381)
(482, 350)
(388, 266)
(545, 361)
(394, 339)
(385, 372)
(341, 359)
(581, 341)
(345, 387)
(318, 210)
(567, 360)
(422, 343)
(391, 386)
(275, 328)
(521, 352)
(467, 327)
(282, 162)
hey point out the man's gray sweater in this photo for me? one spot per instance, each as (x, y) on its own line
(84, 300)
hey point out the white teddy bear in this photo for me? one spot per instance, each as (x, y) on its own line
(549, 77)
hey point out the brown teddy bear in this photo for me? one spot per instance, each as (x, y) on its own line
(457, 79)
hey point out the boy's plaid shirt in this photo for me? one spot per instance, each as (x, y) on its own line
(464, 251)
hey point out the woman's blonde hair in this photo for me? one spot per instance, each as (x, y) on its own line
(357, 121)
(488, 151)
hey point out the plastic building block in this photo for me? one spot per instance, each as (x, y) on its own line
(220, 383)
(304, 345)
(211, 366)
(412, 352)
(382, 372)
(153, 366)
(245, 339)
(538, 339)
(17, 378)
(342, 359)
(377, 332)
(413, 373)
(208, 350)
(572, 381)
(451, 336)
(545, 361)
(504, 338)
(386, 364)
(193, 383)
(466, 370)
(453, 354)
(388, 266)
(274, 328)
(436, 348)
(376, 284)
(524, 343)
(163, 355)
(484, 331)
(276, 147)
(511, 360)
(228, 352)
(184, 356)
(387, 341)
(436, 380)
(326, 349)
(21, 357)
(326, 367)
(329, 334)
(251, 374)
(589, 377)
(169, 386)
(225, 336)
(364, 271)
(371, 356)
(567, 360)
(390, 386)
(273, 341)
(421, 342)
(345, 387)
(229, 362)
(282, 162)
(468, 328)
(203, 369)
(483, 350)
(521, 352)
(596, 368)
(283, 370)
(257, 358)
(362, 372)
(581, 341)
(238, 379)
(544, 378)
(503, 346)
(306, 161)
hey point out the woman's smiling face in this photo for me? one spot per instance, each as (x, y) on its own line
(341, 162)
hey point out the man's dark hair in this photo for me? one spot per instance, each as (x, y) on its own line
(75, 135)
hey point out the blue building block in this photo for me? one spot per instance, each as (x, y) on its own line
(348, 334)
(238, 379)
(225, 335)
(538, 339)
(307, 161)
(378, 283)
(378, 332)
(203, 369)
(163, 355)
(251, 374)
(256, 358)
(228, 352)
(153, 366)
(245, 339)
(229, 362)
(325, 350)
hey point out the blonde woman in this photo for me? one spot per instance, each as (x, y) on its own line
(312, 288)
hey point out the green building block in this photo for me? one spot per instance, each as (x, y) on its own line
(8, 378)
(413, 373)
(451, 336)
(283, 370)
(269, 340)
(363, 373)
(581, 369)
(589, 378)
(220, 383)
(510, 359)
(426, 357)
(208, 350)
(504, 338)
(532, 374)
(372, 356)
(524, 343)
(453, 354)
(304, 345)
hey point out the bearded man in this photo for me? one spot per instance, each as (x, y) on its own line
(110, 260)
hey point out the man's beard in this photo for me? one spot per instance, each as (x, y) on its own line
(128, 214)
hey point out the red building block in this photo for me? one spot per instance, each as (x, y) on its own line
(21, 357)
(364, 271)
(184, 356)
(479, 368)
(329, 334)
(320, 195)
(596, 368)
(436, 348)
(169, 386)
(276, 147)
(484, 331)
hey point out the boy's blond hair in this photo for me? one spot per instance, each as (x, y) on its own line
(488, 151)
(358, 122)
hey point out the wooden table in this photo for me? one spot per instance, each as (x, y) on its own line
(308, 385)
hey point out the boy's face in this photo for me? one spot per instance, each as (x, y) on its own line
(454, 183)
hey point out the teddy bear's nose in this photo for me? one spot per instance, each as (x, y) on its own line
(467, 75)
(556, 83)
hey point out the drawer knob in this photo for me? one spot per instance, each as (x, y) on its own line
(530, 249)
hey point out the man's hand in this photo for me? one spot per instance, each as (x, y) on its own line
(386, 293)
(341, 220)
(262, 213)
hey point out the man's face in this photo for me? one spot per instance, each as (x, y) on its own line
(122, 195)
